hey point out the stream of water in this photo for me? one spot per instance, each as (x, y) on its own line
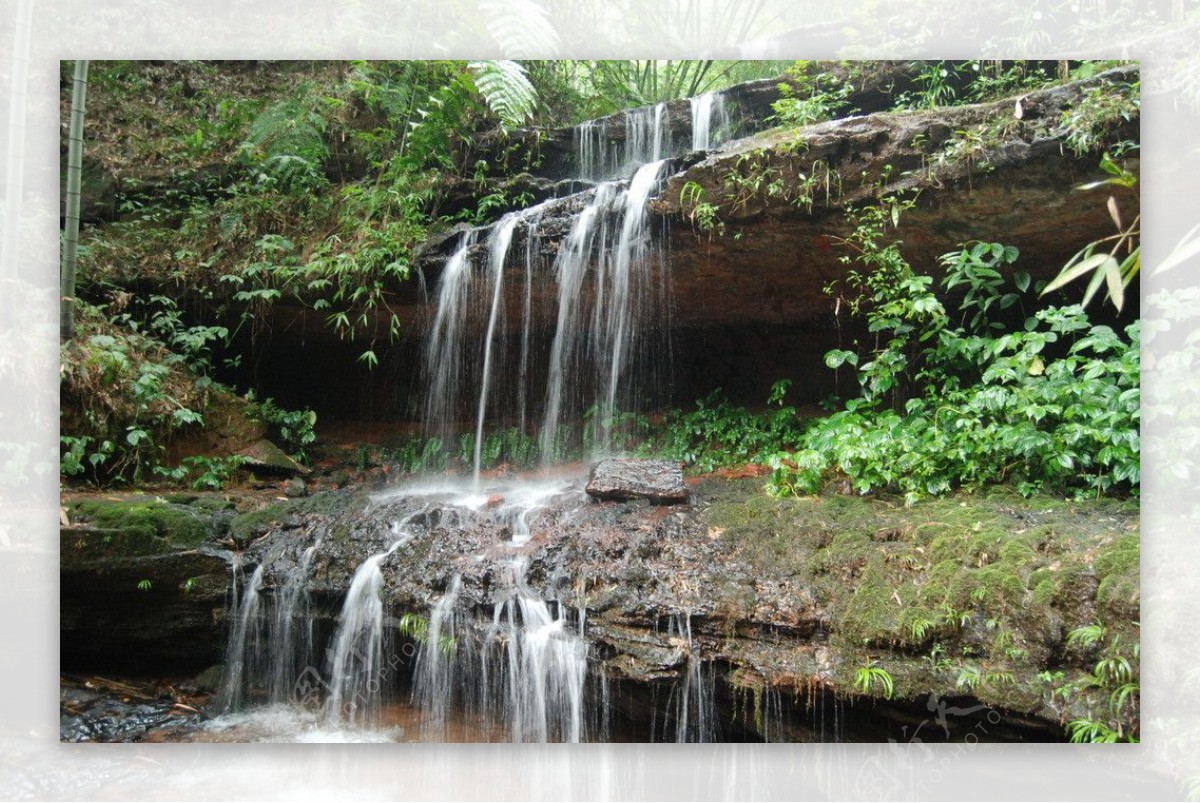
(524, 672)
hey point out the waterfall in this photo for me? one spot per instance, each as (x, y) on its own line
(356, 672)
(528, 669)
(620, 317)
(244, 642)
(709, 120)
(611, 299)
(693, 697)
(444, 351)
(498, 253)
(292, 639)
(646, 138)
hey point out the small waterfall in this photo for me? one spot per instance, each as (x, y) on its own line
(574, 256)
(437, 670)
(709, 120)
(291, 645)
(356, 657)
(620, 317)
(444, 353)
(244, 643)
(693, 696)
(498, 253)
(611, 298)
(647, 138)
(528, 669)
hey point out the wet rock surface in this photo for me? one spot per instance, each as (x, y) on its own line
(785, 596)
(107, 711)
(623, 479)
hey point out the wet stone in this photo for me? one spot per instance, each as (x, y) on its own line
(621, 479)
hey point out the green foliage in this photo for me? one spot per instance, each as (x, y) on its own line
(717, 434)
(1109, 696)
(211, 473)
(1115, 260)
(1051, 404)
(144, 584)
(810, 96)
(1094, 121)
(506, 89)
(286, 143)
(295, 430)
(131, 395)
(416, 627)
(872, 679)
(702, 214)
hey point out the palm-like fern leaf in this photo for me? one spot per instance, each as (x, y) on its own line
(506, 89)
(521, 28)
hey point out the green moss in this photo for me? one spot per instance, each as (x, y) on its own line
(144, 525)
(1118, 569)
(247, 525)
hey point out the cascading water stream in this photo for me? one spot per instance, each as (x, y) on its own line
(356, 658)
(498, 253)
(444, 351)
(243, 642)
(528, 669)
(709, 120)
(693, 697)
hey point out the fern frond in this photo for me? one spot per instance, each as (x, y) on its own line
(506, 89)
(521, 28)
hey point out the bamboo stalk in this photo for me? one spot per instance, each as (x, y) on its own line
(74, 179)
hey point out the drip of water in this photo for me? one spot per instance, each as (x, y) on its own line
(444, 351)
(620, 317)
(528, 668)
(436, 668)
(647, 138)
(570, 268)
(709, 120)
(693, 697)
(291, 644)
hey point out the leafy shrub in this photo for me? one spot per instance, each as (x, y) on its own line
(1051, 405)
(717, 434)
(128, 394)
(295, 430)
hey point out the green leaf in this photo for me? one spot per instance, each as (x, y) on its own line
(506, 90)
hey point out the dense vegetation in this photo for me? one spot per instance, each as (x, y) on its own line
(318, 181)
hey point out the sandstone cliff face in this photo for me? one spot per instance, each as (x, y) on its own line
(982, 173)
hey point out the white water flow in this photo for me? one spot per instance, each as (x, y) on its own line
(356, 673)
(604, 154)
(620, 318)
(497, 254)
(527, 670)
(709, 120)
(292, 639)
(693, 697)
(570, 267)
(444, 352)
(243, 641)
(434, 682)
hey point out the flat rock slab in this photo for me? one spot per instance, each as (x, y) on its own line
(267, 458)
(660, 481)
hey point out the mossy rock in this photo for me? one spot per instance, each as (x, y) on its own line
(140, 526)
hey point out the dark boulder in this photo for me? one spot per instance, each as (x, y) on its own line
(660, 481)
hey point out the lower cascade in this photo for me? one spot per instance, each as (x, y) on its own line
(520, 667)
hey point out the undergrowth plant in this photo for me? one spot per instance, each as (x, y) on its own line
(1046, 402)
(717, 433)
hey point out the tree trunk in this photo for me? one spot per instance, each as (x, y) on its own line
(74, 174)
